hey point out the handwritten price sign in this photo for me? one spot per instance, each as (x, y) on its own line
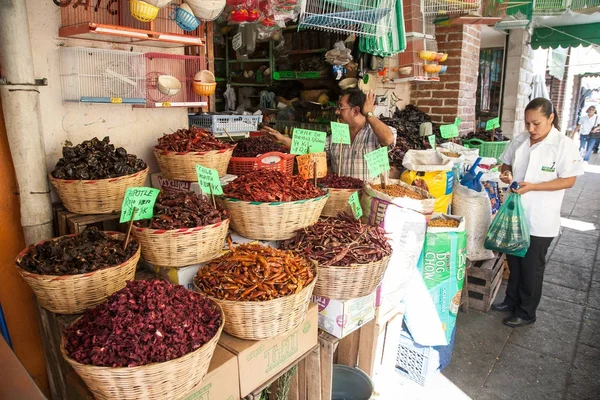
(143, 199)
(355, 205)
(208, 177)
(340, 133)
(305, 141)
(492, 124)
(377, 161)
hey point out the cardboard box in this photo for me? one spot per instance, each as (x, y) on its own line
(160, 182)
(238, 239)
(341, 318)
(179, 275)
(259, 361)
(222, 380)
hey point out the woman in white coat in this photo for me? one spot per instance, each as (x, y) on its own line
(544, 162)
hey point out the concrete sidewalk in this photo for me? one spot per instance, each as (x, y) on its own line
(558, 357)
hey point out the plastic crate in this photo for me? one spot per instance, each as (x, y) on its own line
(218, 123)
(486, 149)
(273, 160)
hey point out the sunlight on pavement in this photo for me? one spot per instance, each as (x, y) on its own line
(389, 385)
(577, 225)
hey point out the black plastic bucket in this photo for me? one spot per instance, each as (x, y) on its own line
(351, 384)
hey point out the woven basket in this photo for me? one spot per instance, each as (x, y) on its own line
(258, 320)
(182, 247)
(338, 202)
(272, 221)
(102, 196)
(351, 282)
(166, 380)
(182, 166)
(73, 294)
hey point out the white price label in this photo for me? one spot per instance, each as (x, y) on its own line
(237, 41)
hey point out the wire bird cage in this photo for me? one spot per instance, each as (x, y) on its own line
(112, 21)
(447, 7)
(102, 76)
(416, 25)
(183, 68)
(550, 7)
(359, 17)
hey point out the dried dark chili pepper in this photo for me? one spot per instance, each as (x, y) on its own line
(255, 146)
(251, 272)
(265, 185)
(196, 139)
(89, 251)
(96, 159)
(486, 136)
(340, 241)
(180, 210)
(340, 182)
(143, 323)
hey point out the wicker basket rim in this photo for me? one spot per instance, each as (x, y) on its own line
(342, 190)
(353, 265)
(285, 156)
(194, 153)
(140, 367)
(48, 277)
(422, 192)
(95, 181)
(272, 301)
(274, 203)
(182, 231)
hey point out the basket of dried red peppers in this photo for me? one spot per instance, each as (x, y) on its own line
(340, 190)
(255, 153)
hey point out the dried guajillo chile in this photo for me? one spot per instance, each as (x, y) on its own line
(341, 241)
(252, 272)
(335, 181)
(143, 323)
(180, 210)
(96, 159)
(398, 191)
(255, 146)
(89, 251)
(265, 185)
(195, 139)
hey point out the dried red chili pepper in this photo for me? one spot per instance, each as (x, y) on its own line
(265, 185)
(335, 181)
(255, 146)
(196, 139)
(143, 323)
(340, 241)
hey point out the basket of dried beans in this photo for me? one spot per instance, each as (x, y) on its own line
(150, 340)
(260, 152)
(351, 257)
(340, 190)
(186, 229)
(264, 292)
(271, 205)
(91, 177)
(69, 274)
(178, 153)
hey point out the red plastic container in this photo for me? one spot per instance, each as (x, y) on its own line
(274, 160)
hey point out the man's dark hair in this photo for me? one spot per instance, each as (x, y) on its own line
(356, 97)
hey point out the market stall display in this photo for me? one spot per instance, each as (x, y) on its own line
(351, 257)
(263, 291)
(91, 177)
(271, 205)
(260, 152)
(186, 229)
(150, 340)
(340, 190)
(178, 153)
(490, 144)
(71, 273)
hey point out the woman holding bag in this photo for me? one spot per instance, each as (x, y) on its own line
(544, 162)
(586, 129)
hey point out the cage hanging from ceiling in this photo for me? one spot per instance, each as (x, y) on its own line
(449, 7)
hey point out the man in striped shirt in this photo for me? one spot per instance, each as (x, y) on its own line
(367, 133)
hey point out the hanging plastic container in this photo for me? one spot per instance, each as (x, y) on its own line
(143, 11)
(184, 19)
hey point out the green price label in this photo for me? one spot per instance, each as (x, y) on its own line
(340, 133)
(377, 161)
(431, 139)
(492, 124)
(305, 141)
(449, 131)
(457, 121)
(143, 199)
(355, 205)
(208, 177)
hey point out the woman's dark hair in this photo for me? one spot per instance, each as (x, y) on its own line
(356, 97)
(546, 107)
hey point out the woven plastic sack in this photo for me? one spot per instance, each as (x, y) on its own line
(509, 232)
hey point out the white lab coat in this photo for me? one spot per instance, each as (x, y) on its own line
(554, 157)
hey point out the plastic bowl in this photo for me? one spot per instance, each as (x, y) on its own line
(432, 69)
(405, 71)
(427, 55)
(348, 83)
(204, 76)
(168, 85)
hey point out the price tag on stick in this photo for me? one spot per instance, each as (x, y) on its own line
(208, 179)
(355, 205)
(141, 198)
(340, 133)
(449, 131)
(431, 139)
(305, 141)
(493, 123)
(377, 161)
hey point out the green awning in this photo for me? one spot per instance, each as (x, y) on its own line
(566, 36)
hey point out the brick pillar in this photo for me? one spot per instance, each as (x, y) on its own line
(574, 102)
(454, 95)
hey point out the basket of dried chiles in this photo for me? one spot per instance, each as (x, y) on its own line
(69, 274)
(260, 152)
(186, 229)
(264, 292)
(178, 153)
(340, 190)
(91, 177)
(352, 257)
(271, 205)
(150, 340)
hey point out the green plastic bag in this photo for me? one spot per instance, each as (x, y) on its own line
(509, 231)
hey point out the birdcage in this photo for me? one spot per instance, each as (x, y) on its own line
(447, 7)
(102, 76)
(416, 25)
(413, 66)
(550, 7)
(360, 17)
(178, 68)
(111, 21)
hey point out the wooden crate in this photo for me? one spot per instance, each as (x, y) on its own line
(68, 222)
(484, 280)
